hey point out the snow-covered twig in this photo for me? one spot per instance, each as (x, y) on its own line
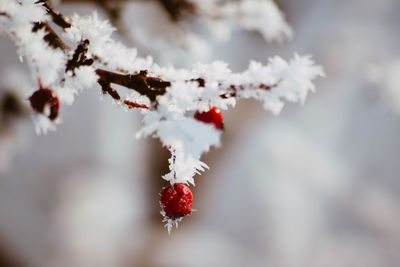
(167, 97)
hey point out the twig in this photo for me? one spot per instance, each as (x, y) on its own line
(56, 17)
(79, 58)
(51, 37)
(140, 82)
(148, 86)
(131, 104)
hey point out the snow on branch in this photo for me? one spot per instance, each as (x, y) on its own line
(167, 97)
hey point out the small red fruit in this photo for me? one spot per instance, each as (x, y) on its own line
(176, 200)
(214, 116)
(45, 97)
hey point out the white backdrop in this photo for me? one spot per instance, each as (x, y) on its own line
(316, 186)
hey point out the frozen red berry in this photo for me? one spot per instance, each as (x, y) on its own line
(214, 116)
(45, 98)
(176, 200)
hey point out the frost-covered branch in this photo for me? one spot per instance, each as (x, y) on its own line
(56, 17)
(51, 37)
(173, 101)
(147, 86)
(140, 82)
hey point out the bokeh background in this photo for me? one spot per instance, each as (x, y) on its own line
(316, 186)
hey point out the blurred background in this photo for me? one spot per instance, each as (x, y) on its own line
(316, 186)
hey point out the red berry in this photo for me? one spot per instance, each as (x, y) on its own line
(214, 116)
(176, 200)
(45, 97)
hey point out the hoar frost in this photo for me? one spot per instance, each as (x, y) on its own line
(169, 116)
(187, 139)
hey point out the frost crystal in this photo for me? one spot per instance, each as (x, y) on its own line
(43, 124)
(170, 222)
(172, 122)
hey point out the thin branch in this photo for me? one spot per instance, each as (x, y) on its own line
(148, 86)
(79, 58)
(107, 89)
(140, 82)
(131, 104)
(56, 17)
(51, 37)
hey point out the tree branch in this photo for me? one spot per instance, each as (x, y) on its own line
(131, 104)
(79, 58)
(56, 17)
(140, 82)
(51, 37)
(148, 86)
